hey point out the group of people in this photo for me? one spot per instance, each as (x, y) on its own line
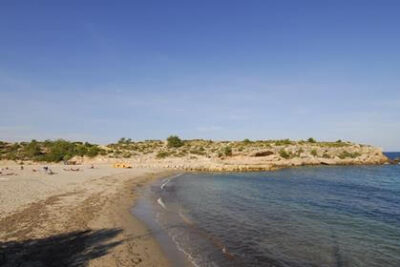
(46, 169)
(4, 171)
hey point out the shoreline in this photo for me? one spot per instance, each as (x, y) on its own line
(87, 223)
(311, 182)
(87, 214)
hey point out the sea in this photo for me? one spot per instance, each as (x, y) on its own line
(301, 216)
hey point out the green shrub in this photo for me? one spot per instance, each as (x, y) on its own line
(162, 154)
(283, 142)
(32, 150)
(246, 141)
(311, 140)
(228, 151)
(174, 141)
(345, 154)
(314, 152)
(284, 154)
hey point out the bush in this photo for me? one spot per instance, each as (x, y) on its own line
(314, 152)
(246, 141)
(311, 140)
(162, 154)
(174, 141)
(32, 150)
(346, 154)
(284, 154)
(283, 142)
(228, 151)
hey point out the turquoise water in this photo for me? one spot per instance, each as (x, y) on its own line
(308, 216)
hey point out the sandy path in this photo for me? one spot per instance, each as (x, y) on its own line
(75, 218)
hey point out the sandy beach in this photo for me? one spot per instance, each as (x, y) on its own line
(78, 218)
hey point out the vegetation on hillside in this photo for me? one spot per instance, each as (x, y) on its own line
(174, 141)
(49, 151)
(174, 146)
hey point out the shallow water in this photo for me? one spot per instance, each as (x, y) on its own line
(308, 216)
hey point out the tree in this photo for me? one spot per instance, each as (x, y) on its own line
(174, 141)
(32, 150)
(246, 141)
(311, 140)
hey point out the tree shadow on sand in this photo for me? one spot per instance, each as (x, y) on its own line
(70, 249)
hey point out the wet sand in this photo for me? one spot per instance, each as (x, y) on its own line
(78, 218)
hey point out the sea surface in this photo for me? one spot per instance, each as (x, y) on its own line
(306, 216)
(392, 155)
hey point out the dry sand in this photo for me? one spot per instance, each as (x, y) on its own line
(75, 218)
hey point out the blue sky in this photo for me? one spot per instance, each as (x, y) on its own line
(100, 70)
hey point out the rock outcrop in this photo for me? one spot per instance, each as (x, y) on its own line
(202, 155)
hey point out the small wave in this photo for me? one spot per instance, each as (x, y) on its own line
(167, 180)
(184, 218)
(165, 183)
(190, 258)
(159, 201)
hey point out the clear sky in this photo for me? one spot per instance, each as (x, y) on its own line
(101, 70)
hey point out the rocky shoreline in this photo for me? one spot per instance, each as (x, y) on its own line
(201, 155)
(257, 158)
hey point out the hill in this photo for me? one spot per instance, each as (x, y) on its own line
(198, 155)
